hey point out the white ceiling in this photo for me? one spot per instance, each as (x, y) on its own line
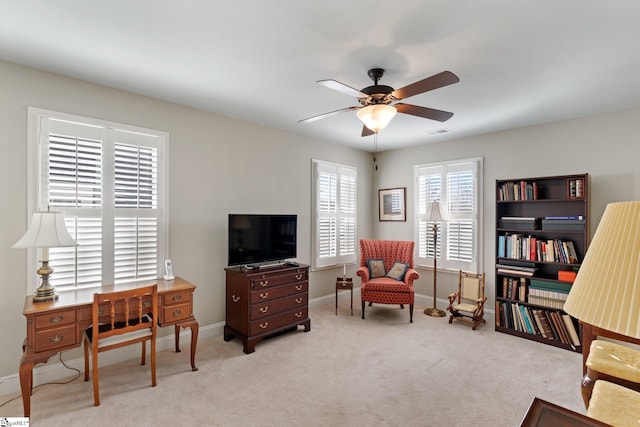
(520, 62)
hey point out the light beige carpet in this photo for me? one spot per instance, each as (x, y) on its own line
(346, 371)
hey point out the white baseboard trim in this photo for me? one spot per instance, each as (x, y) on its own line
(56, 371)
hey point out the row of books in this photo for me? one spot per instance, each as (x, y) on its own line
(530, 248)
(518, 190)
(544, 293)
(549, 324)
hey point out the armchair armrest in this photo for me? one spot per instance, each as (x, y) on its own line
(363, 272)
(410, 276)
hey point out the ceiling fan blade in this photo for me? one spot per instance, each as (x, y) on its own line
(427, 113)
(436, 81)
(331, 113)
(366, 131)
(341, 87)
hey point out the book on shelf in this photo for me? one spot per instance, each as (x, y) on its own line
(545, 328)
(564, 217)
(553, 285)
(571, 329)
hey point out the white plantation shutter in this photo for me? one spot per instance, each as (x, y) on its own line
(456, 185)
(334, 240)
(108, 179)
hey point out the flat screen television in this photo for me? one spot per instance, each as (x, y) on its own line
(256, 239)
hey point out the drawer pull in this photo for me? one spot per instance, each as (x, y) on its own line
(177, 313)
(298, 300)
(56, 319)
(235, 298)
(264, 325)
(298, 315)
(56, 339)
(265, 283)
(298, 287)
(265, 295)
(264, 309)
(147, 304)
(177, 297)
(299, 276)
(101, 312)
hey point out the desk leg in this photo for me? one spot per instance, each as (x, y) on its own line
(26, 377)
(195, 327)
(26, 384)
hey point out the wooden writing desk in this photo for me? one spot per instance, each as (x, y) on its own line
(54, 326)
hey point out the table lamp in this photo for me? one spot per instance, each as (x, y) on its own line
(606, 291)
(47, 230)
(433, 214)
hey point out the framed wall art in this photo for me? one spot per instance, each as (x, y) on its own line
(392, 204)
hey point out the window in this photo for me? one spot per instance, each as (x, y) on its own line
(109, 181)
(456, 185)
(334, 201)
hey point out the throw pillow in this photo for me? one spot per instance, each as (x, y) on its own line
(398, 271)
(376, 267)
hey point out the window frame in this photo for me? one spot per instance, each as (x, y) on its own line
(36, 178)
(349, 257)
(423, 230)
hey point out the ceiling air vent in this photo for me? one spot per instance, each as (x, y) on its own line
(439, 131)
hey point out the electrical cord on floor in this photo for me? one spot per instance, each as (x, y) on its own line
(53, 382)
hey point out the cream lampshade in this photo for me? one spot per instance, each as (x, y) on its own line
(47, 230)
(376, 116)
(606, 291)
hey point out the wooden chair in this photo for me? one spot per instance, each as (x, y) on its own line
(468, 303)
(119, 319)
(390, 281)
(612, 362)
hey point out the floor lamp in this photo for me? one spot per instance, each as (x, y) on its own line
(433, 214)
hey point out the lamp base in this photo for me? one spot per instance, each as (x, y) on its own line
(45, 297)
(46, 292)
(434, 312)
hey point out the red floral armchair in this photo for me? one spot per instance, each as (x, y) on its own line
(387, 274)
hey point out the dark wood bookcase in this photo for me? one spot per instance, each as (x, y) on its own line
(534, 215)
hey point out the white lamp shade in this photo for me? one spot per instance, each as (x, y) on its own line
(606, 292)
(377, 116)
(433, 212)
(47, 230)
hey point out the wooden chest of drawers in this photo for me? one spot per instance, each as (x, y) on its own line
(266, 301)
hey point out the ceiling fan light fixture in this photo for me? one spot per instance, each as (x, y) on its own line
(376, 116)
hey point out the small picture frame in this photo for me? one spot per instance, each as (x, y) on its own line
(392, 204)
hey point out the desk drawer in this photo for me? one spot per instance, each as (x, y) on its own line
(55, 319)
(53, 338)
(175, 313)
(176, 298)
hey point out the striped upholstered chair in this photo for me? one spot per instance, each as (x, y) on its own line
(387, 274)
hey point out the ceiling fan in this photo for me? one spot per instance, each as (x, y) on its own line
(377, 106)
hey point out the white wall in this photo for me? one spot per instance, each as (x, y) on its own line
(605, 146)
(217, 166)
(220, 165)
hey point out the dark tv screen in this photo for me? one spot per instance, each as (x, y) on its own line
(259, 238)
